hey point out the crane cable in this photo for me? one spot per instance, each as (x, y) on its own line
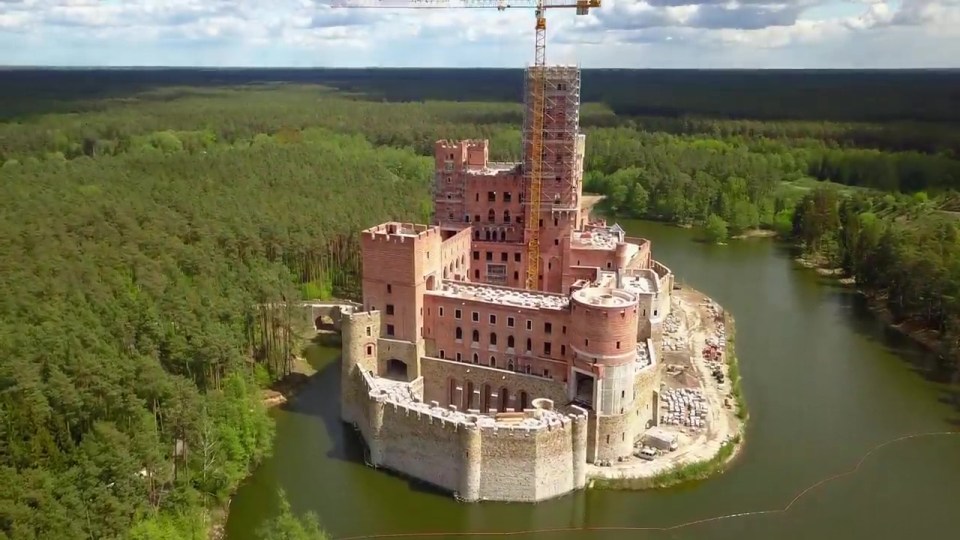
(685, 524)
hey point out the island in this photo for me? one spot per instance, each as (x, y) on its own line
(517, 348)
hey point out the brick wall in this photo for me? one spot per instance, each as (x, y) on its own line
(437, 374)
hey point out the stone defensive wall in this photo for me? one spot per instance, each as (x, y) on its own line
(525, 456)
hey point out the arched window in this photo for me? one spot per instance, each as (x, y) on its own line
(491, 216)
(486, 235)
(476, 336)
(493, 338)
(442, 355)
(493, 361)
(476, 358)
(506, 216)
(459, 333)
(503, 236)
(476, 235)
(510, 341)
(510, 364)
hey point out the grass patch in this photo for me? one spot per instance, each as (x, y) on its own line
(733, 366)
(680, 474)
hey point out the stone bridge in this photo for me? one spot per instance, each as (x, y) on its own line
(323, 314)
(327, 314)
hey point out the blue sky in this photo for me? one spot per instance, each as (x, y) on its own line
(621, 34)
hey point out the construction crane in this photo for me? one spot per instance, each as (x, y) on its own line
(539, 79)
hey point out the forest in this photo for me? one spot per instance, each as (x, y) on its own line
(156, 221)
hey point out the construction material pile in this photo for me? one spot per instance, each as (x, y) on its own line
(506, 296)
(714, 309)
(673, 343)
(396, 391)
(671, 324)
(643, 356)
(683, 407)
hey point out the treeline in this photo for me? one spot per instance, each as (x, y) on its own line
(900, 250)
(834, 95)
(194, 121)
(133, 341)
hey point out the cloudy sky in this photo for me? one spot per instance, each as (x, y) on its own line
(621, 34)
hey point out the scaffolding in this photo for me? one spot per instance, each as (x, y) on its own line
(561, 176)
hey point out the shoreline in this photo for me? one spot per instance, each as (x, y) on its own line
(711, 452)
(276, 395)
(926, 338)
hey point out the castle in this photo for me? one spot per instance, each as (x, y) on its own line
(457, 376)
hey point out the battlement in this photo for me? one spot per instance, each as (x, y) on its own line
(594, 237)
(493, 168)
(641, 281)
(363, 317)
(402, 398)
(661, 269)
(451, 144)
(454, 154)
(396, 232)
(602, 297)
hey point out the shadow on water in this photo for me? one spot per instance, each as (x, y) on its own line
(320, 398)
(864, 320)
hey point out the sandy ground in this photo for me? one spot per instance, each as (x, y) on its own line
(697, 323)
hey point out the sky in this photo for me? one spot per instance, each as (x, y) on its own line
(699, 34)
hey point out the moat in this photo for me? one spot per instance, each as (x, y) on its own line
(824, 383)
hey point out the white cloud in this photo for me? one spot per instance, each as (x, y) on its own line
(622, 33)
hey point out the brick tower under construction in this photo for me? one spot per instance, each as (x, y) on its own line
(495, 198)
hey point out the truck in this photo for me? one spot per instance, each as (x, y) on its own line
(661, 439)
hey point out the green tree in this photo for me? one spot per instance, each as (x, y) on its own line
(287, 526)
(715, 229)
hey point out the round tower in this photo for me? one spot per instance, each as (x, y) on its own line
(579, 436)
(604, 323)
(374, 439)
(358, 350)
(470, 451)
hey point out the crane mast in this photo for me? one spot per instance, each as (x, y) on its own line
(536, 151)
(538, 95)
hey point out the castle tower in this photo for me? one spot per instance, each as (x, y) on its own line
(562, 171)
(401, 261)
